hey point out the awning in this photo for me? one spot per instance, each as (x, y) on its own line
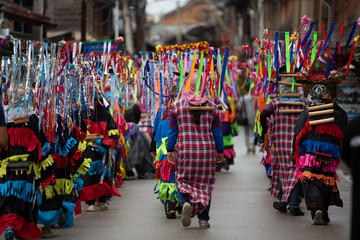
(22, 14)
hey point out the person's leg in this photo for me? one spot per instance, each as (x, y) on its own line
(205, 214)
(279, 205)
(204, 217)
(186, 208)
(102, 203)
(91, 204)
(247, 138)
(295, 200)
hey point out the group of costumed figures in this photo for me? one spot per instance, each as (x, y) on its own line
(299, 125)
(64, 147)
(69, 140)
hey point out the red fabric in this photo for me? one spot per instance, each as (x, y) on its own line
(60, 161)
(77, 207)
(330, 129)
(48, 181)
(119, 181)
(109, 142)
(98, 128)
(74, 158)
(80, 135)
(166, 170)
(24, 137)
(97, 190)
(350, 58)
(21, 227)
(305, 131)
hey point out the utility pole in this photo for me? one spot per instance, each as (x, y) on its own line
(83, 21)
(178, 17)
(38, 7)
(128, 30)
(116, 19)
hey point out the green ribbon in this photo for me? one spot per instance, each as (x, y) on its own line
(198, 80)
(287, 52)
(181, 78)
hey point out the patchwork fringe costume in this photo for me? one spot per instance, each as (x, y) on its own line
(58, 199)
(165, 171)
(97, 179)
(19, 192)
(284, 170)
(317, 150)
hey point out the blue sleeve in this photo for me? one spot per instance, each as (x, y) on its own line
(219, 141)
(171, 141)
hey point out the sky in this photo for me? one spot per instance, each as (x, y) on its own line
(162, 6)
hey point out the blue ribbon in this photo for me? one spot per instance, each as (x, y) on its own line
(350, 36)
(332, 61)
(307, 34)
(328, 37)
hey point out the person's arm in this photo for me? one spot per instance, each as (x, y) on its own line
(218, 134)
(3, 128)
(172, 138)
(218, 138)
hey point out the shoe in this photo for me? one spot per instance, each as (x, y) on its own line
(103, 206)
(9, 233)
(226, 165)
(318, 218)
(296, 212)
(278, 207)
(90, 208)
(171, 214)
(47, 233)
(186, 214)
(204, 224)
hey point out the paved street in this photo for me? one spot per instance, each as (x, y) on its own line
(241, 209)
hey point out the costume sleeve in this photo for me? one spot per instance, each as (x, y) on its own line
(173, 133)
(218, 134)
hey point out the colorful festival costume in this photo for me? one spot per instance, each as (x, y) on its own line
(317, 150)
(97, 180)
(19, 191)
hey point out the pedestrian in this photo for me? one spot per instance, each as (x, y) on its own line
(247, 106)
(199, 148)
(350, 154)
(285, 185)
(317, 149)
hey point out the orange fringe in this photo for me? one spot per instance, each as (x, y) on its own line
(330, 181)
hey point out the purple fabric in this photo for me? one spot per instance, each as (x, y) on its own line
(270, 108)
(173, 123)
(216, 123)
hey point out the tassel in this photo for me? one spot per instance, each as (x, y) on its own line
(20, 189)
(330, 181)
(317, 146)
(330, 129)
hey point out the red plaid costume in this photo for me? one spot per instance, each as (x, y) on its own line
(196, 156)
(284, 170)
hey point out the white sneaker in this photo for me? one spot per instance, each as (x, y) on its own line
(318, 219)
(186, 214)
(103, 206)
(204, 224)
(90, 208)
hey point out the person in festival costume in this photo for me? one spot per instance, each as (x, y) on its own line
(317, 150)
(165, 171)
(227, 116)
(285, 185)
(199, 148)
(98, 179)
(23, 167)
(58, 200)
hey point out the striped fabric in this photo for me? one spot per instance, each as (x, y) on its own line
(196, 156)
(284, 170)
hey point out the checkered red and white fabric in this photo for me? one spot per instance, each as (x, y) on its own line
(196, 156)
(284, 170)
